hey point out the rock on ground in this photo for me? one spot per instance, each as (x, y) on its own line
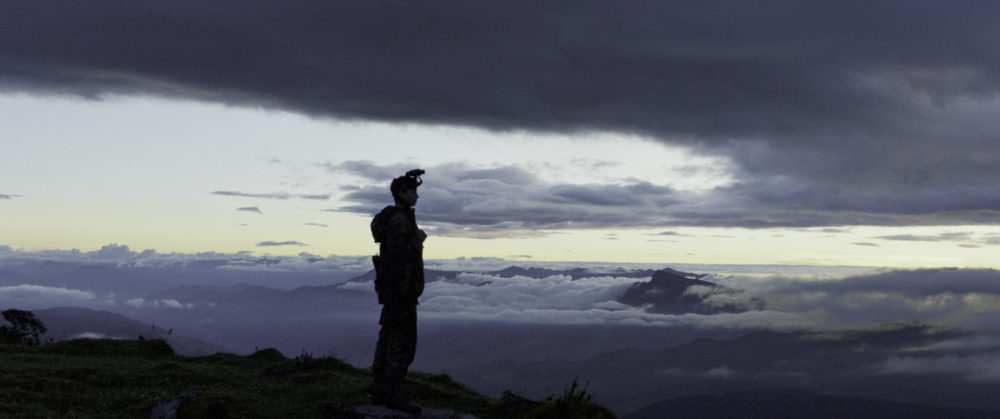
(167, 409)
(339, 411)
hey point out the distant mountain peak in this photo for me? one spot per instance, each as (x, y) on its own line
(671, 278)
(667, 292)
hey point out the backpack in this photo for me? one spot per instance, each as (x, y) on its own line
(378, 227)
(379, 222)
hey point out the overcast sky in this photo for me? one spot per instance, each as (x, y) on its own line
(848, 132)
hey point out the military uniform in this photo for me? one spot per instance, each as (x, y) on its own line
(399, 282)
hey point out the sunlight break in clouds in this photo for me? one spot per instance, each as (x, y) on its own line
(875, 132)
(564, 194)
(879, 125)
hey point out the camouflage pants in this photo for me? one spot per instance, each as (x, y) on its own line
(397, 344)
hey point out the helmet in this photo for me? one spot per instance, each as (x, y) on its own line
(408, 181)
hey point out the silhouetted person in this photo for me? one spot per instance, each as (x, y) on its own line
(399, 280)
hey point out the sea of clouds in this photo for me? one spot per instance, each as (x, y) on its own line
(960, 298)
(796, 297)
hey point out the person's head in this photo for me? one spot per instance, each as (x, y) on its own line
(404, 188)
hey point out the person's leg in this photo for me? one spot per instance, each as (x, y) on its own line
(399, 326)
(379, 364)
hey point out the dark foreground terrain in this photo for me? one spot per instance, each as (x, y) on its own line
(123, 378)
(793, 403)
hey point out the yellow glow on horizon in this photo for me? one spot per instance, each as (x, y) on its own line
(348, 235)
(141, 172)
(854, 246)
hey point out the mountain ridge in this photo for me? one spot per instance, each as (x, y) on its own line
(66, 323)
(848, 364)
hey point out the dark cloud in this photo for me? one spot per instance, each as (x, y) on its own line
(965, 239)
(953, 236)
(274, 195)
(250, 209)
(8, 196)
(509, 200)
(865, 244)
(786, 201)
(924, 282)
(318, 197)
(834, 113)
(317, 225)
(271, 243)
(462, 200)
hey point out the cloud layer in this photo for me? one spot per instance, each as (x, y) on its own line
(949, 298)
(848, 112)
(965, 298)
(27, 296)
(463, 200)
(273, 195)
(272, 243)
(122, 255)
(472, 201)
(162, 303)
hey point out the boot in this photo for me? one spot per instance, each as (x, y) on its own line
(402, 404)
(394, 399)
(379, 393)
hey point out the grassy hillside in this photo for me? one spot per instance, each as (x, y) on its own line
(118, 378)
